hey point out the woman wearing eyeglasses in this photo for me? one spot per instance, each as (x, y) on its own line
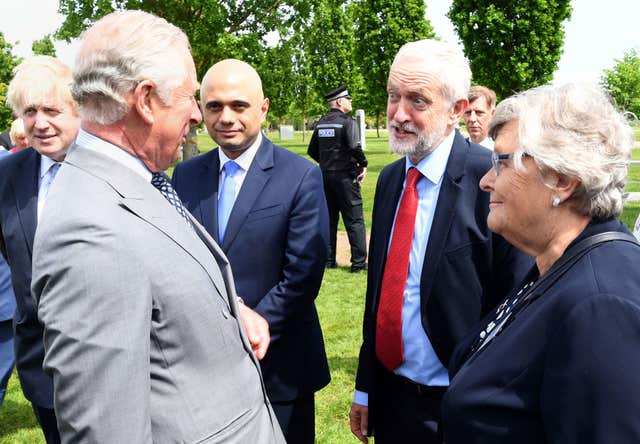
(558, 361)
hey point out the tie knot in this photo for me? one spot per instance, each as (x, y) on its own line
(230, 168)
(159, 179)
(413, 176)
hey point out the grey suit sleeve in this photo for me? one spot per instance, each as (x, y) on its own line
(96, 309)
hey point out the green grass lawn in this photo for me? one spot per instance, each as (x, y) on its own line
(340, 304)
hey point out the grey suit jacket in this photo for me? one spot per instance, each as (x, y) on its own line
(140, 320)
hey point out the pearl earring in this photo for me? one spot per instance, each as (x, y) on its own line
(556, 201)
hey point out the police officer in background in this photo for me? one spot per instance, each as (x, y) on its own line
(335, 145)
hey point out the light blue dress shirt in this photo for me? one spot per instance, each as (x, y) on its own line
(421, 364)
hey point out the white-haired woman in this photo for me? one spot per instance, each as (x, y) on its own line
(558, 361)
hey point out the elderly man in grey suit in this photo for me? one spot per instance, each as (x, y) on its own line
(142, 329)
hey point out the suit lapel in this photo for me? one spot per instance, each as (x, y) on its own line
(139, 197)
(386, 213)
(25, 186)
(207, 188)
(445, 212)
(258, 175)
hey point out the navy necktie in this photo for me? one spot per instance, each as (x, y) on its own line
(161, 182)
(227, 197)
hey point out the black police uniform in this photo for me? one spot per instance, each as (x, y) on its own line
(335, 145)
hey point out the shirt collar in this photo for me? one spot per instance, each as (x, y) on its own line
(45, 164)
(245, 159)
(114, 152)
(433, 165)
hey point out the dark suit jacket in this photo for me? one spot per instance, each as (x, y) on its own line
(467, 269)
(18, 207)
(7, 299)
(276, 242)
(566, 369)
(5, 141)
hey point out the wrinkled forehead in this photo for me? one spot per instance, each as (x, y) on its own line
(46, 95)
(479, 103)
(412, 76)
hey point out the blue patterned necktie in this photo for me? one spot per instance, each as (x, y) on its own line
(227, 197)
(161, 182)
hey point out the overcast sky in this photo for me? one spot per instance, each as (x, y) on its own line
(598, 32)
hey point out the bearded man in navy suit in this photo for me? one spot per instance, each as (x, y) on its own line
(266, 208)
(454, 268)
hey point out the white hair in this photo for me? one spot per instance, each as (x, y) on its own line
(118, 52)
(575, 131)
(444, 61)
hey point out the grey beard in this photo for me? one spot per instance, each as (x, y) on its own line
(424, 144)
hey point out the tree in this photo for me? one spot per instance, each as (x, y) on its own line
(8, 62)
(382, 27)
(623, 82)
(44, 46)
(217, 29)
(512, 45)
(329, 44)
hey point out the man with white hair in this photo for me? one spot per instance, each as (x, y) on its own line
(434, 266)
(39, 93)
(142, 328)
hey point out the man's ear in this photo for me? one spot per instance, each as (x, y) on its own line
(264, 109)
(457, 111)
(142, 100)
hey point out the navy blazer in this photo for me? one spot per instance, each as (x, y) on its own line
(565, 370)
(276, 241)
(7, 299)
(467, 269)
(19, 175)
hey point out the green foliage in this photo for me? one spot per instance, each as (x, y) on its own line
(8, 62)
(512, 45)
(328, 43)
(44, 46)
(217, 29)
(382, 27)
(623, 82)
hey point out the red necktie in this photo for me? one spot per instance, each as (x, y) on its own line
(394, 280)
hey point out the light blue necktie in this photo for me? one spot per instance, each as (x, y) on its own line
(48, 179)
(227, 197)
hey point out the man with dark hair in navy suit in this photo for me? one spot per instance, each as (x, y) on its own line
(265, 207)
(434, 267)
(39, 93)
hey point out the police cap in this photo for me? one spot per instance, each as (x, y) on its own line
(337, 93)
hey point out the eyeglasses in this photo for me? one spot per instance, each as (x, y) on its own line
(497, 158)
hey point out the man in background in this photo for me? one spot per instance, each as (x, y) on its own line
(434, 267)
(481, 108)
(39, 94)
(142, 330)
(335, 145)
(265, 207)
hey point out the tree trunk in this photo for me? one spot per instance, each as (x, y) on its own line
(190, 148)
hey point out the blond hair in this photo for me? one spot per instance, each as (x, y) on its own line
(39, 80)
